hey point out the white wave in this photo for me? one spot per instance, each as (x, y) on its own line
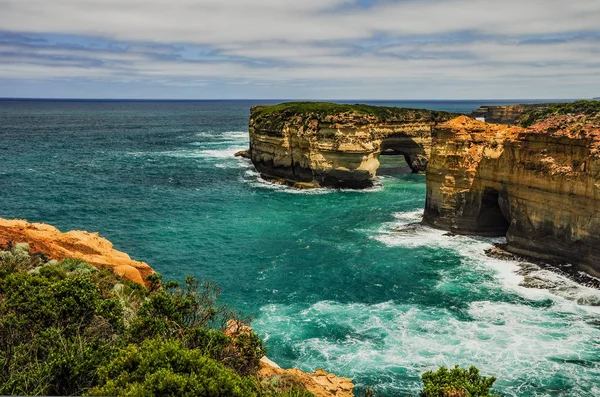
(236, 135)
(406, 231)
(253, 178)
(522, 345)
(227, 135)
(226, 153)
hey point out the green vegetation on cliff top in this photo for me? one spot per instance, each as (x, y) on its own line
(322, 109)
(67, 328)
(582, 107)
(272, 119)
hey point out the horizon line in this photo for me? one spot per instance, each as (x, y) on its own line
(290, 99)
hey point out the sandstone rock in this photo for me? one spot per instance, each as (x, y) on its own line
(89, 247)
(243, 153)
(320, 383)
(538, 186)
(321, 144)
(506, 114)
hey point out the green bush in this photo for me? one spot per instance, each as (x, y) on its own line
(585, 107)
(456, 382)
(67, 328)
(160, 367)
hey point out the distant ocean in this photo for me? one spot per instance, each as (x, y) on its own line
(328, 277)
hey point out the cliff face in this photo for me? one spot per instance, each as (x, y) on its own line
(540, 186)
(89, 247)
(506, 114)
(320, 144)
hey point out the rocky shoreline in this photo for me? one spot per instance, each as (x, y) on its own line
(534, 178)
(564, 269)
(89, 247)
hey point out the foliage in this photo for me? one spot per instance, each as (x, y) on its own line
(456, 382)
(159, 367)
(583, 107)
(67, 328)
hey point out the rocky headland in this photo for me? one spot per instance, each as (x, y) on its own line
(507, 114)
(537, 185)
(533, 176)
(325, 144)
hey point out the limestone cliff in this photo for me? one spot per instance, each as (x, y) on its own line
(324, 144)
(89, 247)
(540, 185)
(506, 114)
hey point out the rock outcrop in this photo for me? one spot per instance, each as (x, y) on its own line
(324, 144)
(89, 247)
(539, 186)
(320, 382)
(507, 114)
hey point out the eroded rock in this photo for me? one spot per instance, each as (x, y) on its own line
(324, 144)
(539, 186)
(89, 247)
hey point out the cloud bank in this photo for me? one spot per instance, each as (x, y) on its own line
(310, 49)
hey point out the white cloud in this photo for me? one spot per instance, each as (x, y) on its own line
(325, 44)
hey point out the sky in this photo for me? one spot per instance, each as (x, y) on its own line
(300, 49)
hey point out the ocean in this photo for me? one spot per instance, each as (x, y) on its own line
(336, 279)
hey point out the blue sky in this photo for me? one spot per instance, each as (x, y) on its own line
(314, 49)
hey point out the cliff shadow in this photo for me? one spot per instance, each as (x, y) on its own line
(413, 152)
(492, 220)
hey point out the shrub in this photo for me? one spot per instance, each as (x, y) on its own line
(160, 367)
(69, 329)
(457, 382)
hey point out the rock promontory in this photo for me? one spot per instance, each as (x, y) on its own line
(507, 114)
(539, 185)
(89, 247)
(312, 144)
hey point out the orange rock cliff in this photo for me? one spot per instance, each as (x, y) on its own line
(539, 186)
(89, 247)
(325, 144)
(538, 183)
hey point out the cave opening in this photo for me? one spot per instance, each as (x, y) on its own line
(392, 162)
(401, 155)
(491, 220)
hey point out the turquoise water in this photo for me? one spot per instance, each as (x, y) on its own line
(343, 280)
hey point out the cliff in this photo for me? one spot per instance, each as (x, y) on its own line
(507, 114)
(89, 247)
(525, 115)
(539, 186)
(314, 144)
